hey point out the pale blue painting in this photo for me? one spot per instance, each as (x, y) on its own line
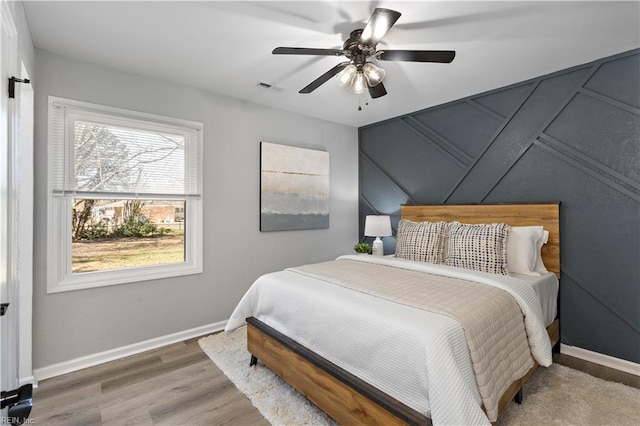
(294, 188)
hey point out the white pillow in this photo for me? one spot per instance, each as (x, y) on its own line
(523, 249)
(539, 268)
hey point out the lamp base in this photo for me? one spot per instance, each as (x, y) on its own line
(377, 249)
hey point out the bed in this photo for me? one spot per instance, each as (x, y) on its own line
(366, 358)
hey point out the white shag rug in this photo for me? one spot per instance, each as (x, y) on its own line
(556, 395)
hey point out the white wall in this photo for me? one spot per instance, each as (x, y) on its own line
(80, 323)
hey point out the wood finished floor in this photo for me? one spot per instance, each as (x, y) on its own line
(175, 385)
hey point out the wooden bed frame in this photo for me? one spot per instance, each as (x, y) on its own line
(351, 401)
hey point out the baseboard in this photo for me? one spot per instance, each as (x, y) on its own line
(27, 380)
(598, 358)
(124, 351)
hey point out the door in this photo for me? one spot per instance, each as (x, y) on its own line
(7, 40)
(15, 401)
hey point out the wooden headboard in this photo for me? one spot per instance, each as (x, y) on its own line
(547, 215)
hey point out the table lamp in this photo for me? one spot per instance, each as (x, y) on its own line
(377, 226)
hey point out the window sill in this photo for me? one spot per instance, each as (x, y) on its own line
(123, 276)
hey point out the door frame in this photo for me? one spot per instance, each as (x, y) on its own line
(23, 140)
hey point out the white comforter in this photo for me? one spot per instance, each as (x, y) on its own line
(418, 357)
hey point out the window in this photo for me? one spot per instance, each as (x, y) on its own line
(125, 199)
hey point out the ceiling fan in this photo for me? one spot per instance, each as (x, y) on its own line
(359, 74)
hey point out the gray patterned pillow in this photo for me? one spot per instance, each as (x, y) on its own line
(421, 241)
(479, 247)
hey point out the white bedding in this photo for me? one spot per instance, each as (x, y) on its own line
(546, 288)
(418, 357)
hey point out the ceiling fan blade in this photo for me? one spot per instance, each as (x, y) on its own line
(377, 91)
(324, 78)
(379, 24)
(443, 56)
(306, 51)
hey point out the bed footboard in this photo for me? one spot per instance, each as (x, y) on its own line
(340, 394)
(343, 396)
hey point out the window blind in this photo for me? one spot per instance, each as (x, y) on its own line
(101, 152)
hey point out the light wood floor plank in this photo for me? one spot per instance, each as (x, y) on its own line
(138, 417)
(177, 384)
(156, 390)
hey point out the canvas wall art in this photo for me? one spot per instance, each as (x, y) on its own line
(294, 188)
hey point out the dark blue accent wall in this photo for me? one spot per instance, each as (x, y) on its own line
(572, 136)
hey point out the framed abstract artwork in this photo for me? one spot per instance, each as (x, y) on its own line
(294, 188)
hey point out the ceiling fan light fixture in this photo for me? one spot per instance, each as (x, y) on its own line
(345, 77)
(356, 74)
(373, 73)
(359, 83)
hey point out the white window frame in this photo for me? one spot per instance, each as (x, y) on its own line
(59, 207)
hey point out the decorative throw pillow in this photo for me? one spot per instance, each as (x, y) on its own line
(479, 247)
(421, 241)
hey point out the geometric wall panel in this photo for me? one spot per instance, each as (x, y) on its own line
(504, 101)
(382, 193)
(618, 80)
(572, 136)
(516, 135)
(586, 125)
(480, 125)
(387, 150)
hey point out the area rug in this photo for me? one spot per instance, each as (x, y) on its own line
(556, 395)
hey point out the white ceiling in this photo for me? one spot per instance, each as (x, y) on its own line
(225, 47)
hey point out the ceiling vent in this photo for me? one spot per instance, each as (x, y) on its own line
(266, 85)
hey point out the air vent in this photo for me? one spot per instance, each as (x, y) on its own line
(270, 86)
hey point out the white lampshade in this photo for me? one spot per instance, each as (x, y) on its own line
(345, 77)
(359, 83)
(373, 73)
(359, 79)
(377, 226)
